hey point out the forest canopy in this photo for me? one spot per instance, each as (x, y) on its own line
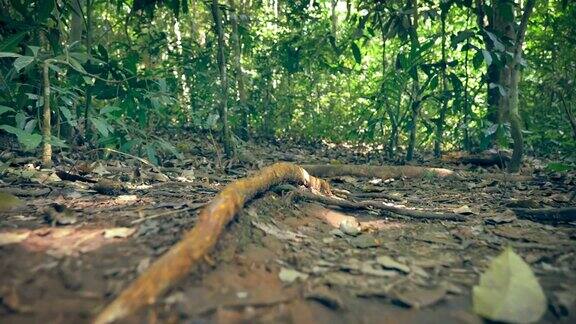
(406, 77)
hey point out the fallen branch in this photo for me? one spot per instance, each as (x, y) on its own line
(373, 204)
(554, 215)
(196, 243)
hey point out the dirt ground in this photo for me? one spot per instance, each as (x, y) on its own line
(73, 244)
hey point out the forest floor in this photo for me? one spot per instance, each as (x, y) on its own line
(72, 244)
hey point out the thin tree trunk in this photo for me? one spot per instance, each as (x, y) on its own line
(226, 136)
(46, 124)
(442, 116)
(88, 103)
(239, 74)
(466, 100)
(569, 115)
(416, 99)
(76, 24)
(515, 123)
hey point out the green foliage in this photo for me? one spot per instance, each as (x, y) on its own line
(151, 70)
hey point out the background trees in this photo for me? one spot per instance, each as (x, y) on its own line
(408, 76)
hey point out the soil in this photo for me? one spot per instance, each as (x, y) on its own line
(284, 259)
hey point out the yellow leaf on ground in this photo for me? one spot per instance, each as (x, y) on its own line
(509, 291)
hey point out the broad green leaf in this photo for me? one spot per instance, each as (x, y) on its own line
(4, 109)
(487, 57)
(356, 52)
(477, 60)
(80, 57)
(68, 115)
(76, 65)
(509, 291)
(109, 110)
(9, 54)
(34, 50)
(27, 140)
(22, 62)
(101, 125)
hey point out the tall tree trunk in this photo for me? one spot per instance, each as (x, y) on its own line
(76, 23)
(334, 18)
(416, 95)
(494, 75)
(442, 114)
(76, 29)
(239, 74)
(223, 111)
(514, 116)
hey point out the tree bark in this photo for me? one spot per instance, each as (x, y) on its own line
(46, 123)
(221, 57)
(514, 70)
(416, 96)
(442, 114)
(76, 23)
(244, 133)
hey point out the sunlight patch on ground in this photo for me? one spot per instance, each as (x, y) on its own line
(65, 241)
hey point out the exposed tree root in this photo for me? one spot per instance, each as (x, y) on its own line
(196, 243)
(378, 171)
(484, 159)
(367, 204)
(408, 171)
(553, 215)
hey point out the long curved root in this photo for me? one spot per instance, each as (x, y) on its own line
(177, 262)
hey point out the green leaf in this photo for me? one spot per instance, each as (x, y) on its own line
(356, 52)
(22, 62)
(497, 44)
(68, 115)
(9, 54)
(55, 68)
(558, 167)
(101, 125)
(34, 50)
(477, 60)
(10, 43)
(151, 153)
(80, 57)
(4, 109)
(76, 65)
(29, 141)
(487, 57)
(509, 291)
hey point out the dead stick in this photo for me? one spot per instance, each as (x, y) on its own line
(177, 262)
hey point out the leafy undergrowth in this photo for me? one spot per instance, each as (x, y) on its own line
(72, 241)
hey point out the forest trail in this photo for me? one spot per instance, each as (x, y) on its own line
(72, 245)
